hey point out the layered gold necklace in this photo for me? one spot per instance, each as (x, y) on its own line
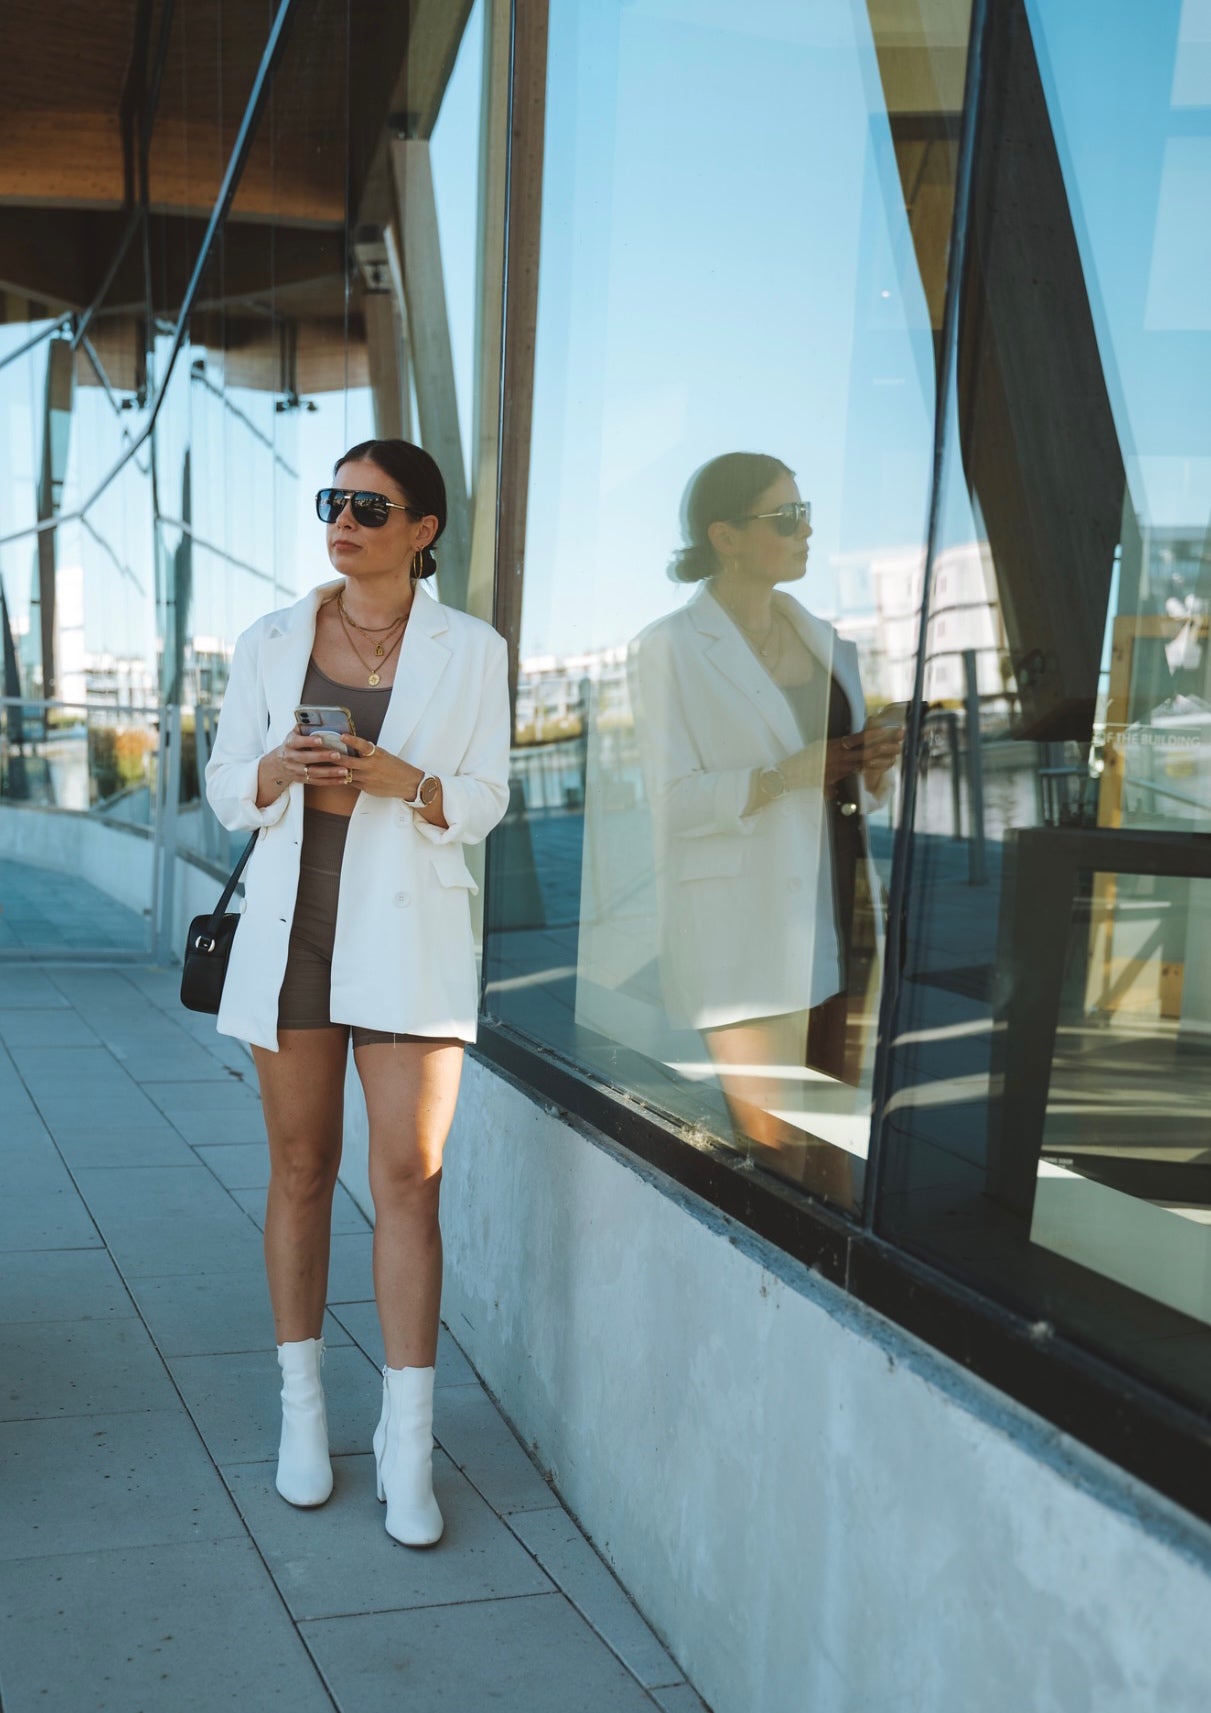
(768, 648)
(382, 651)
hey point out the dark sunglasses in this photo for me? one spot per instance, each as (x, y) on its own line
(787, 519)
(370, 510)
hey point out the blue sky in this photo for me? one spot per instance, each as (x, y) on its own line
(718, 273)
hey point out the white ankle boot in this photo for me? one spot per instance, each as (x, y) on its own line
(304, 1472)
(403, 1456)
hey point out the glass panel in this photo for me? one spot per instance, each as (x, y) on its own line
(1124, 1170)
(1046, 1133)
(688, 893)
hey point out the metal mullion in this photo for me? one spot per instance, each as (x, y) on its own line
(902, 845)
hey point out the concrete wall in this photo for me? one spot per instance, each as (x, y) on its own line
(814, 1510)
(111, 856)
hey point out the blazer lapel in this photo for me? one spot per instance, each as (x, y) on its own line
(837, 656)
(423, 657)
(730, 654)
(284, 656)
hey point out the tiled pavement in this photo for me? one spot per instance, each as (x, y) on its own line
(146, 1563)
(48, 912)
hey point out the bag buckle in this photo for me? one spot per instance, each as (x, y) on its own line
(203, 943)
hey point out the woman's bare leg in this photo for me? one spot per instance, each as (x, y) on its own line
(411, 1089)
(303, 1096)
(747, 1058)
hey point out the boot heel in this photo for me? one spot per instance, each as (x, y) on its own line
(380, 1444)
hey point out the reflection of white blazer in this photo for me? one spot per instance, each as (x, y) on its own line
(404, 957)
(748, 922)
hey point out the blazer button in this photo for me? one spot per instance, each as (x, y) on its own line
(403, 899)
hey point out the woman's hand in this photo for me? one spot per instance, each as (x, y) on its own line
(881, 750)
(302, 759)
(378, 772)
(823, 765)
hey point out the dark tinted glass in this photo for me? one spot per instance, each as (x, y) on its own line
(1047, 1132)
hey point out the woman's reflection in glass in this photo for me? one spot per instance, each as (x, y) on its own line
(751, 719)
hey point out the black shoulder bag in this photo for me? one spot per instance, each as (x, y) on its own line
(208, 947)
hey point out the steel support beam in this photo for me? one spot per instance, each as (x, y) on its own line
(56, 435)
(388, 379)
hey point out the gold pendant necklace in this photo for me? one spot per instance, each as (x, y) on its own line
(373, 670)
(370, 630)
(771, 641)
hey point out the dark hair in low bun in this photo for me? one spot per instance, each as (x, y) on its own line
(722, 491)
(417, 477)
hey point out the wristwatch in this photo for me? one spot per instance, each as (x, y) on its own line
(771, 782)
(426, 791)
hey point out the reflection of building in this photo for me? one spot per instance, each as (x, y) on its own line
(85, 675)
(207, 664)
(964, 617)
(552, 691)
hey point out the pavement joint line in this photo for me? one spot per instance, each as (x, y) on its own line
(555, 1593)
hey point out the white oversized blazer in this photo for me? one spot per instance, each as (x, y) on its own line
(747, 913)
(404, 956)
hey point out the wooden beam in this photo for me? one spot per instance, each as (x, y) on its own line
(432, 356)
(435, 33)
(524, 232)
(489, 304)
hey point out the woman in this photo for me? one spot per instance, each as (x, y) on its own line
(357, 920)
(751, 718)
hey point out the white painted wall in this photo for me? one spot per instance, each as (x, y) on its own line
(816, 1512)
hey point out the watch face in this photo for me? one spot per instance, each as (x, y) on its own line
(429, 789)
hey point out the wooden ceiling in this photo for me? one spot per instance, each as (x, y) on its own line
(74, 83)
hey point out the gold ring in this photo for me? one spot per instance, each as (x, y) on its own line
(306, 771)
(371, 751)
(348, 776)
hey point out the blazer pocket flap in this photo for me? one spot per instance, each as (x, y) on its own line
(451, 866)
(709, 859)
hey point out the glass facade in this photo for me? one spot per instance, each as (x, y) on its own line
(961, 315)
(728, 268)
(1046, 1134)
(822, 397)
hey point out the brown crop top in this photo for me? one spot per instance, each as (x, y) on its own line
(367, 706)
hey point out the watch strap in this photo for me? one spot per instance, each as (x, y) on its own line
(419, 801)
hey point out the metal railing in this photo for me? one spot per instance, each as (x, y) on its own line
(136, 764)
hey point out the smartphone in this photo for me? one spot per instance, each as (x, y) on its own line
(327, 724)
(894, 714)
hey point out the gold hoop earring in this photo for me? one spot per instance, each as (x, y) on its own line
(418, 565)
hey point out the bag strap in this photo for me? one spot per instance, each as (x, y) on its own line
(232, 883)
